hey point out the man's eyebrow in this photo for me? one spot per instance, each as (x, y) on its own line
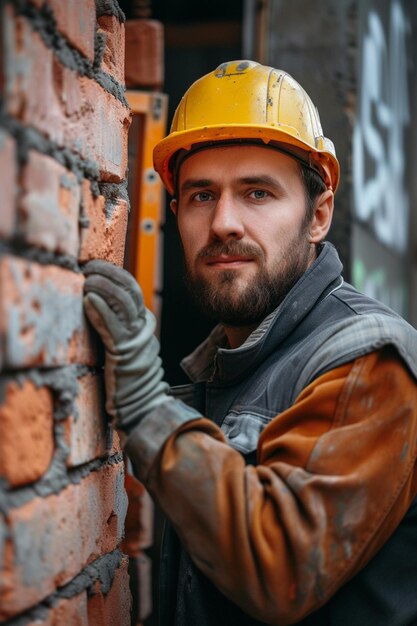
(195, 183)
(262, 179)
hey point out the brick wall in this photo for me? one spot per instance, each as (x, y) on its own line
(63, 153)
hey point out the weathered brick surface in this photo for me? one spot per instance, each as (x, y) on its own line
(51, 539)
(76, 20)
(8, 169)
(42, 321)
(114, 53)
(72, 110)
(26, 442)
(144, 54)
(66, 612)
(139, 518)
(88, 434)
(49, 205)
(105, 236)
(63, 117)
(114, 607)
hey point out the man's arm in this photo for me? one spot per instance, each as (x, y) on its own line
(334, 479)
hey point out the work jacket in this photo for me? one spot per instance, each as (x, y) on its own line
(296, 502)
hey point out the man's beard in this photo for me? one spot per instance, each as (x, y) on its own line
(247, 306)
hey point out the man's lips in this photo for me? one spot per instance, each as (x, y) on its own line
(227, 260)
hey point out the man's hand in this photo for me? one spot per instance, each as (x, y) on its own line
(114, 305)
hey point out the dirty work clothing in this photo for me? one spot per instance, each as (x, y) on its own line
(285, 501)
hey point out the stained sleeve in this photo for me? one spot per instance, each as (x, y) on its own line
(335, 476)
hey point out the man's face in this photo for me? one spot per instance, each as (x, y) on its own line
(241, 215)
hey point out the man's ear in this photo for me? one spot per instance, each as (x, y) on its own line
(173, 206)
(322, 218)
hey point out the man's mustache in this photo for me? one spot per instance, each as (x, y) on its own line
(230, 248)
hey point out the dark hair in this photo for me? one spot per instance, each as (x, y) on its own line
(314, 186)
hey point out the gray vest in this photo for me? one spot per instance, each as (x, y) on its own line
(321, 324)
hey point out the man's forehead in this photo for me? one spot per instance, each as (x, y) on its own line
(241, 160)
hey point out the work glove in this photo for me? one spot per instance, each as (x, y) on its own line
(114, 305)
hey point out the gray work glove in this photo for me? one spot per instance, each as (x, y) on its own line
(114, 305)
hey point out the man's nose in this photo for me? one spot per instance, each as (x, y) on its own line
(227, 220)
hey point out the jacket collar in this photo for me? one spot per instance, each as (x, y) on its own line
(232, 364)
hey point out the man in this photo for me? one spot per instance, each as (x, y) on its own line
(286, 469)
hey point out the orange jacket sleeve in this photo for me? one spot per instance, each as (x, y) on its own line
(335, 476)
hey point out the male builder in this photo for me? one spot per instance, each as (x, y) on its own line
(287, 469)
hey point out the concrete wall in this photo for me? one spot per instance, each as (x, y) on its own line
(315, 41)
(384, 143)
(356, 60)
(63, 153)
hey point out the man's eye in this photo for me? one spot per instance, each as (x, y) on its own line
(259, 194)
(202, 196)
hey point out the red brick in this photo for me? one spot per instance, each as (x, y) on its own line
(87, 429)
(52, 539)
(72, 110)
(49, 206)
(8, 169)
(114, 53)
(105, 236)
(71, 612)
(42, 321)
(27, 442)
(144, 60)
(139, 518)
(113, 608)
(76, 20)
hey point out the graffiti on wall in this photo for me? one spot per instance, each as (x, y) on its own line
(380, 192)
(377, 284)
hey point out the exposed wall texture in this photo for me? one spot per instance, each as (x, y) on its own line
(356, 59)
(63, 153)
(320, 51)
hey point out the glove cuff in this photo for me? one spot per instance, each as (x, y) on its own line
(148, 437)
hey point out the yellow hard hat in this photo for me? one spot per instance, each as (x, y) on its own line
(246, 101)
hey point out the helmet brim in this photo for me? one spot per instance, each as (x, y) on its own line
(286, 136)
